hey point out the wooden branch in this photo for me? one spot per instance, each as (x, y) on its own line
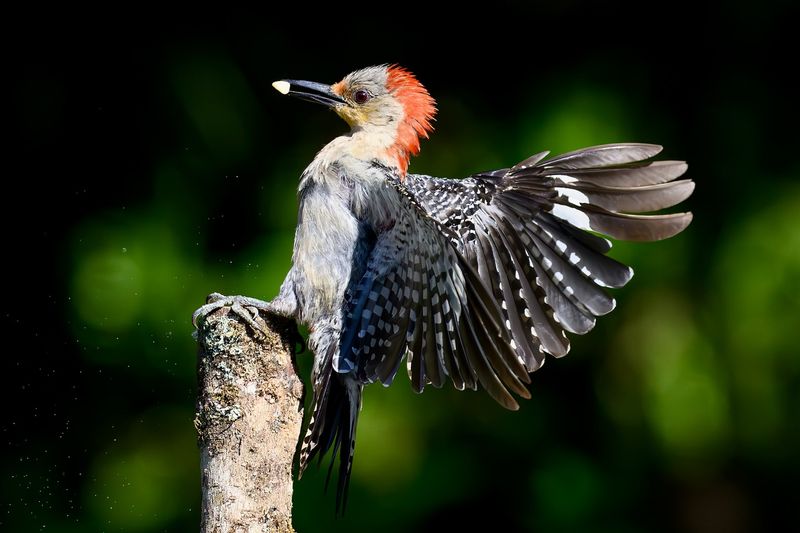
(249, 415)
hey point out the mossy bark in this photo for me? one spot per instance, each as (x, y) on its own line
(249, 417)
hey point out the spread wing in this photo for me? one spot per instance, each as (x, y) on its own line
(526, 231)
(421, 298)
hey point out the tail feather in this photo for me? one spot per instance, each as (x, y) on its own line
(334, 416)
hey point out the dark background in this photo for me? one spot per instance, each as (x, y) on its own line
(152, 163)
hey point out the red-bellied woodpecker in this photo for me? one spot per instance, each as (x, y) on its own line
(472, 280)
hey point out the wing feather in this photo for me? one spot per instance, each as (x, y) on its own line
(531, 233)
(421, 298)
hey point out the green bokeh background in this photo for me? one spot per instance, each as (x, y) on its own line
(157, 165)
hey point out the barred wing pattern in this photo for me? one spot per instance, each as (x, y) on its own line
(478, 279)
(525, 230)
(422, 299)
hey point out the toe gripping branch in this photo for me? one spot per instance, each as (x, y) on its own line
(248, 309)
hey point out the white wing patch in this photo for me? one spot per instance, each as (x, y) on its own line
(574, 197)
(579, 219)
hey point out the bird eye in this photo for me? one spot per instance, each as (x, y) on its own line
(361, 96)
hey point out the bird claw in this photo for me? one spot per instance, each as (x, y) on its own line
(245, 307)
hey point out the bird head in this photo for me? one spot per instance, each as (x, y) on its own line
(386, 102)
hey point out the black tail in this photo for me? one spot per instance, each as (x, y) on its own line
(337, 402)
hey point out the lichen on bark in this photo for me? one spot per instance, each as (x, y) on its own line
(249, 416)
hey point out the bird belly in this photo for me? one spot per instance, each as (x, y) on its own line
(325, 241)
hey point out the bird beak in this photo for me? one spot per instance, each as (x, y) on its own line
(309, 90)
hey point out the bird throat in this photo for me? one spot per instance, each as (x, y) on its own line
(387, 145)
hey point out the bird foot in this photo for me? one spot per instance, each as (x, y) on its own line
(247, 309)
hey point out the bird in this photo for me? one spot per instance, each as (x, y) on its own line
(471, 281)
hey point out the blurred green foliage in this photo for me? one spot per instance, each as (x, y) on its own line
(678, 412)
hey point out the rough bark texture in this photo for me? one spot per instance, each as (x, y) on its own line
(249, 415)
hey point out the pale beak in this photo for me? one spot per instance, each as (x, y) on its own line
(309, 90)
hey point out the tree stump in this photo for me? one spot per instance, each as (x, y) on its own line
(249, 418)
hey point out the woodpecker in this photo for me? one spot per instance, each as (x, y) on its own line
(472, 281)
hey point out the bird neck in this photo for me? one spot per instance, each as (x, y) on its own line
(373, 143)
(368, 143)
